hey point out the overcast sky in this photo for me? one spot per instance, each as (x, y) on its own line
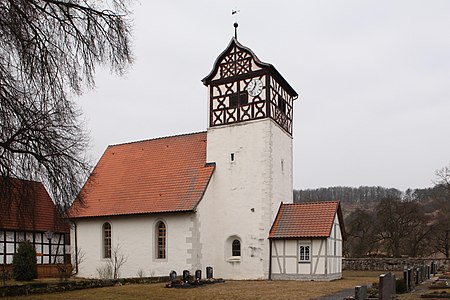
(373, 79)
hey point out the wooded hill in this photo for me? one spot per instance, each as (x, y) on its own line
(363, 194)
(388, 222)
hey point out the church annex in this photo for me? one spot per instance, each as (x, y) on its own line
(208, 198)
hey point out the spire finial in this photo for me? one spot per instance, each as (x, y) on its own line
(234, 13)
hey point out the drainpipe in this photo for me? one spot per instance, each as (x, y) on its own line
(270, 259)
(76, 247)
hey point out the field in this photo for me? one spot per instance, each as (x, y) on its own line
(227, 290)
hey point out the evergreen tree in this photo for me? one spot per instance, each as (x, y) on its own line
(24, 262)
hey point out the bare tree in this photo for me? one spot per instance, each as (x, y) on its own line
(361, 235)
(112, 266)
(443, 178)
(440, 236)
(402, 226)
(117, 260)
(49, 50)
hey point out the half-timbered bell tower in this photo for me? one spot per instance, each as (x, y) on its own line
(249, 138)
(242, 88)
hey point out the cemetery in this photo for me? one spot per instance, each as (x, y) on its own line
(425, 281)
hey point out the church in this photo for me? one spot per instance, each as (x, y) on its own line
(221, 198)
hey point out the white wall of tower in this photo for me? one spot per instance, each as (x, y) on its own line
(243, 196)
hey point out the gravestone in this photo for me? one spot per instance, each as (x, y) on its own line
(198, 275)
(361, 292)
(386, 286)
(186, 275)
(411, 279)
(173, 276)
(406, 279)
(209, 272)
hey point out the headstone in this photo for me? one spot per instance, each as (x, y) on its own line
(186, 275)
(173, 276)
(209, 272)
(361, 292)
(386, 286)
(411, 279)
(198, 275)
(406, 279)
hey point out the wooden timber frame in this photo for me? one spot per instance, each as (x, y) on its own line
(233, 70)
(48, 251)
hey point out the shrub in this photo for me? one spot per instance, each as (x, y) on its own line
(105, 271)
(24, 262)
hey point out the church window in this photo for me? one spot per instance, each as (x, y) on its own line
(304, 253)
(161, 240)
(236, 248)
(106, 240)
(238, 99)
(232, 156)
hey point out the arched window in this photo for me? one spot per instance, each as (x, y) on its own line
(161, 240)
(236, 248)
(106, 240)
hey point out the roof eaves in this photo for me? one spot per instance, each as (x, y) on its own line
(132, 214)
(275, 221)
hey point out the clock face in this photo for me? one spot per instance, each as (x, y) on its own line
(254, 87)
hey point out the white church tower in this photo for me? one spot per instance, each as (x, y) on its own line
(249, 139)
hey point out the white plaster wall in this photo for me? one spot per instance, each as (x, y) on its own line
(286, 261)
(240, 200)
(318, 258)
(281, 168)
(335, 257)
(136, 237)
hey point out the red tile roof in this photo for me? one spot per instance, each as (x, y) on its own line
(304, 220)
(160, 175)
(31, 208)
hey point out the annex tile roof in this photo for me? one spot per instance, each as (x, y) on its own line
(30, 208)
(160, 175)
(305, 220)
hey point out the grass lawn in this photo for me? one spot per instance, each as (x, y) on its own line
(228, 290)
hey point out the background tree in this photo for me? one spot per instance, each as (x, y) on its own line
(440, 236)
(400, 225)
(361, 236)
(49, 50)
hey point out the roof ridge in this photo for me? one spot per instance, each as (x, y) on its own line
(157, 138)
(311, 202)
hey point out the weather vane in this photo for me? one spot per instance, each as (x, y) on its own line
(234, 13)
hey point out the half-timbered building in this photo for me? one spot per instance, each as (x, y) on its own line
(306, 242)
(31, 215)
(200, 199)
